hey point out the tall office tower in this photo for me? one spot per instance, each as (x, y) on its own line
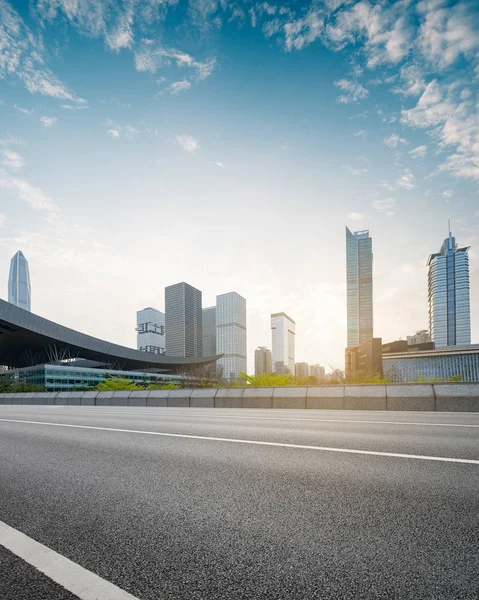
(448, 295)
(318, 371)
(231, 334)
(301, 369)
(263, 361)
(359, 277)
(420, 337)
(19, 290)
(209, 331)
(283, 332)
(150, 330)
(183, 321)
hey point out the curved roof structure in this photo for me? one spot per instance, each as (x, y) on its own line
(27, 339)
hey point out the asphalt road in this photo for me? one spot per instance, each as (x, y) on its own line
(173, 517)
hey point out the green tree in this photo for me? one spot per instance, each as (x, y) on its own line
(116, 384)
(267, 380)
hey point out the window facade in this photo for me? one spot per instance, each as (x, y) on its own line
(359, 280)
(19, 289)
(183, 321)
(231, 334)
(448, 295)
(406, 369)
(283, 330)
(150, 331)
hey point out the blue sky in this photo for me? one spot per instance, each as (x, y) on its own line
(227, 144)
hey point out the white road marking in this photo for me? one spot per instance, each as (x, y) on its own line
(94, 410)
(79, 581)
(255, 442)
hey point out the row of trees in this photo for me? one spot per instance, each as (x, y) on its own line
(205, 377)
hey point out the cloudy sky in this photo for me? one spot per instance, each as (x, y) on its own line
(227, 144)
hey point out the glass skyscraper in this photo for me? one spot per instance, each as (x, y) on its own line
(448, 295)
(19, 291)
(183, 321)
(231, 334)
(283, 330)
(359, 278)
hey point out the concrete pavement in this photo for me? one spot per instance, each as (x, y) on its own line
(162, 516)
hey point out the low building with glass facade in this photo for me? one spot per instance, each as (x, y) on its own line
(64, 377)
(461, 362)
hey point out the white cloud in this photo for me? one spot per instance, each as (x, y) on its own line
(386, 206)
(447, 193)
(394, 140)
(48, 121)
(362, 133)
(476, 214)
(304, 31)
(150, 58)
(187, 142)
(454, 122)
(73, 107)
(354, 91)
(27, 192)
(23, 57)
(13, 160)
(406, 181)
(179, 86)
(116, 131)
(3, 220)
(216, 163)
(448, 33)
(354, 216)
(25, 111)
(418, 152)
(354, 171)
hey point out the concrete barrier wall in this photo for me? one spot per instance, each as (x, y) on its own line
(458, 397)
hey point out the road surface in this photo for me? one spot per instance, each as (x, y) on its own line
(170, 503)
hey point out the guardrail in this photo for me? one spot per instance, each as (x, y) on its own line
(458, 397)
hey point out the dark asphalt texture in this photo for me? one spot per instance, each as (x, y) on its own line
(173, 518)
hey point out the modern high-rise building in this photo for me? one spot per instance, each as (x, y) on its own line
(19, 290)
(359, 277)
(231, 334)
(150, 330)
(183, 321)
(318, 371)
(420, 337)
(283, 332)
(448, 295)
(301, 369)
(209, 331)
(263, 361)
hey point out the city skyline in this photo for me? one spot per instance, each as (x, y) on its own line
(229, 149)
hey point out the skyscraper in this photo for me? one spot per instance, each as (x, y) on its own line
(283, 332)
(263, 361)
(183, 321)
(231, 334)
(301, 369)
(318, 371)
(448, 295)
(19, 291)
(150, 330)
(209, 331)
(359, 278)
